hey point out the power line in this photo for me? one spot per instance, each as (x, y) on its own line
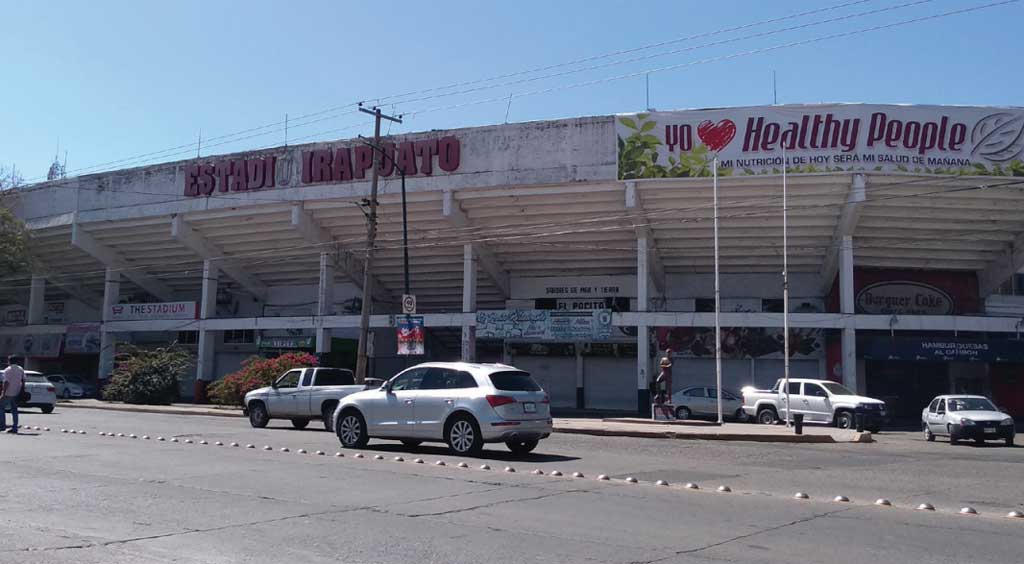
(189, 146)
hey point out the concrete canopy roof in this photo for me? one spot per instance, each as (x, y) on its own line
(902, 221)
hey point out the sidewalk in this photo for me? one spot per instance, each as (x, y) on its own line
(610, 427)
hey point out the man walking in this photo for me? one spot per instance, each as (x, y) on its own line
(13, 382)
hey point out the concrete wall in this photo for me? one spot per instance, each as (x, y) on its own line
(542, 152)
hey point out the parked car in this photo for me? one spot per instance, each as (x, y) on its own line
(301, 395)
(44, 394)
(464, 405)
(966, 417)
(700, 401)
(819, 401)
(66, 387)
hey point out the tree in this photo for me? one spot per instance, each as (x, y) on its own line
(148, 376)
(14, 256)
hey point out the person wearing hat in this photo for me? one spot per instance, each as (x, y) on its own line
(663, 396)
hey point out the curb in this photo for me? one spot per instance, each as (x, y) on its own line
(819, 439)
(157, 410)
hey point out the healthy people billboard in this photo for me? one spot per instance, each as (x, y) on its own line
(822, 138)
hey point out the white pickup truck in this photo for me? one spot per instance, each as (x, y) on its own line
(819, 401)
(301, 394)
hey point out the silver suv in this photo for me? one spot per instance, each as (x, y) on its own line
(464, 405)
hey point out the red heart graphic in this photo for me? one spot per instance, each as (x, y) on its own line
(716, 135)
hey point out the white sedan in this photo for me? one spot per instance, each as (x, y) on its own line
(700, 401)
(44, 394)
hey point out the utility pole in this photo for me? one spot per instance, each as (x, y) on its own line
(371, 237)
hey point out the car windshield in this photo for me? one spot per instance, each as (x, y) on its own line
(970, 404)
(837, 389)
(36, 378)
(514, 382)
(73, 379)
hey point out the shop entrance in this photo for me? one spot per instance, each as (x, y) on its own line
(906, 386)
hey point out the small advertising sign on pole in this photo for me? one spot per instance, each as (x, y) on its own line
(410, 335)
(408, 304)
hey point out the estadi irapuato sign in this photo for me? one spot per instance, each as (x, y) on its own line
(822, 138)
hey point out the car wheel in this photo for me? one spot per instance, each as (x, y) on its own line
(300, 423)
(411, 443)
(47, 408)
(741, 416)
(683, 413)
(1009, 441)
(874, 430)
(66, 394)
(767, 417)
(327, 415)
(351, 430)
(258, 416)
(463, 436)
(953, 439)
(844, 420)
(522, 448)
(979, 441)
(928, 435)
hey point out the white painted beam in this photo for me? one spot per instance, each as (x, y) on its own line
(184, 233)
(343, 261)
(655, 266)
(847, 224)
(113, 259)
(1001, 269)
(453, 212)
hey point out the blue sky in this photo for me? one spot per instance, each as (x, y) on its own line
(112, 80)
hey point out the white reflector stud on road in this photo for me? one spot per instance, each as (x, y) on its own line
(267, 447)
(357, 455)
(554, 473)
(692, 486)
(577, 475)
(439, 463)
(538, 472)
(724, 489)
(926, 507)
(882, 502)
(801, 495)
(463, 465)
(841, 499)
(484, 467)
(602, 477)
(301, 451)
(968, 511)
(418, 461)
(509, 469)
(631, 480)
(399, 459)
(1015, 515)
(378, 457)
(661, 483)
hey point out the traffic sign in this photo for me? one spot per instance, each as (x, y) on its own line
(408, 304)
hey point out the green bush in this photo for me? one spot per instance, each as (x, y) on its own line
(150, 377)
(256, 372)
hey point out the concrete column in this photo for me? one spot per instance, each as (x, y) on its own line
(37, 301)
(325, 302)
(468, 302)
(207, 310)
(847, 308)
(111, 296)
(643, 335)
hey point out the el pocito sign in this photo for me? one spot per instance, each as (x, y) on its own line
(822, 138)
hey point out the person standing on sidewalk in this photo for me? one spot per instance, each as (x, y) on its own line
(13, 382)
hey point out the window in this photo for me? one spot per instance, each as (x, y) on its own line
(838, 389)
(815, 391)
(290, 379)
(694, 393)
(334, 377)
(239, 337)
(408, 380)
(771, 305)
(55, 379)
(447, 379)
(514, 381)
(971, 404)
(726, 394)
(794, 388)
(942, 407)
(307, 379)
(704, 305)
(188, 337)
(933, 405)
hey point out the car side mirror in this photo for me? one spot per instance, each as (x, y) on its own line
(387, 388)
(273, 385)
(1004, 410)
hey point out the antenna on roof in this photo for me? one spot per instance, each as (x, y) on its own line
(775, 92)
(56, 169)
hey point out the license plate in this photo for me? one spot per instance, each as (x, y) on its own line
(990, 430)
(529, 407)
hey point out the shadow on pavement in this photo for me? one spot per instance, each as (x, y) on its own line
(490, 452)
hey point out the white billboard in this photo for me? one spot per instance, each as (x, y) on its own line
(151, 311)
(822, 138)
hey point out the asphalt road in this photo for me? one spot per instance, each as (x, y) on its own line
(90, 498)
